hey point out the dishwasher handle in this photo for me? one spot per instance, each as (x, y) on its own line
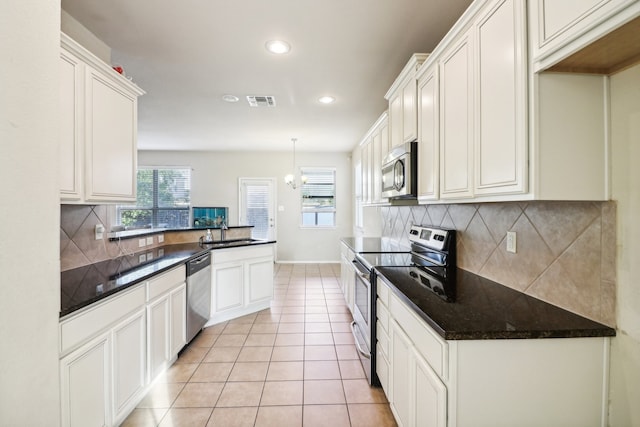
(196, 264)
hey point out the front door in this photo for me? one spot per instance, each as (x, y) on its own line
(257, 206)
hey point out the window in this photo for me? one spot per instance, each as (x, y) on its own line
(319, 197)
(163, 200)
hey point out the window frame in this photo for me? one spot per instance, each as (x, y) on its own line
(333, 210)
(155, 207)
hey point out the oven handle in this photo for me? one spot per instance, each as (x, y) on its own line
(355, 338)
(361, 269)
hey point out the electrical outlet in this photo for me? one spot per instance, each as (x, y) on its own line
(160, 238)
(149, 256)
(99, 231)
(150, 240)
(142, 258)
(511, 242)
(142, 243)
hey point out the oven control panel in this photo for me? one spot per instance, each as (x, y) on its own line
(434, 238)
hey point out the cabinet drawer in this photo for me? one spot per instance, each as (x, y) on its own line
(165, 282)
(85, 325)
(383, 316)
(428, 343)
(383, 340)
(383, 292)
(382, 369)
(240, 254)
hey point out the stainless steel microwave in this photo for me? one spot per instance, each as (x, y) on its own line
(399, 172)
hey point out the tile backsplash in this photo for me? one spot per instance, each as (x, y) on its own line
(566, 251)
(79, 247)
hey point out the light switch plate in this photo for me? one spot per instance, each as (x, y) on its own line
(142, 243)
(160, 238)
(150, 240)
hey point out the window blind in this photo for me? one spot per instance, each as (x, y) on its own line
(163, 199)
(318, 197)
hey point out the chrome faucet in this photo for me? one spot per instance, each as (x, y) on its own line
(223, 231)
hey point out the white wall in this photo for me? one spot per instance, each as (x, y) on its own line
(29, 213)
(215, 183)
(86, 38)
(625, 356)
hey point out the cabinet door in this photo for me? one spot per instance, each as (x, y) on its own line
(500, 152)
(400, 375)
(111, 134)
(409, 110)
(366, 172)
(178, 298)
(376, 168)
(158, 336)
(456, 120)
(227, 286)
(70, 127)
(395, 120)
(129, 352)
(555, 23)
(430, 395)
(259, 280)
(428, 136)
(385, 142)
(85, 386)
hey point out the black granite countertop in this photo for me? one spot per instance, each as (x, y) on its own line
(363, 245)
(484, 309)
(91, 283)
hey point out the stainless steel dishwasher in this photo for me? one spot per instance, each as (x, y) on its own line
(198, 294)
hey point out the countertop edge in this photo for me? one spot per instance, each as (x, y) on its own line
(604, 331)
(64, 314)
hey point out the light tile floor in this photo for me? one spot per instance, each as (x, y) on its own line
(294, 364)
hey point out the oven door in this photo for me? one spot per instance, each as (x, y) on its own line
(361, 325)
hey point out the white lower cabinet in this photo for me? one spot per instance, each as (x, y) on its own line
(228, 279)
(401, 393)
(418, 397)
(178, 299)
(497, 383)
(129, 354)
(158, 336)
(110, 352)
(166, 321)
(241, 280)
(429, 394)
(85, 384)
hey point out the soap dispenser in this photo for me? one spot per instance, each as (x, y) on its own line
(208, 238)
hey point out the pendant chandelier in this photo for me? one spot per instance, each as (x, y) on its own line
(291, 179)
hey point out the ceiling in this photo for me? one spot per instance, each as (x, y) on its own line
(186, 55)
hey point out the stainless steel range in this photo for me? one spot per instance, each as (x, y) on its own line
(433, 263)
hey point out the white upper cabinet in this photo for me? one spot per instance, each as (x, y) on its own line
(98, 133)
(70, 127)
(456, 119)
(500, 99)
(373, 149)
(559, 28)
(403, 106)
(428, 134)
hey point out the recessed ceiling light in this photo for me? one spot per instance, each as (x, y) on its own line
(278, 46)
(326, 99)
(230, 98)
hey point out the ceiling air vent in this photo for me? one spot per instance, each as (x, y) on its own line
(261, 101)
